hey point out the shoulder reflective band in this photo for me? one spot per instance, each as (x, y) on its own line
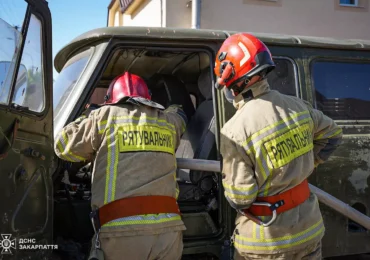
(135, 138)
(289, 145)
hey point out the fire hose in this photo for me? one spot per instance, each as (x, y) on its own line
(325, 198)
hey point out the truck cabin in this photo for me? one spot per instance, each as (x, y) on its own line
(177, 66)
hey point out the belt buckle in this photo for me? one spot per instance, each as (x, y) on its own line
(255, 219)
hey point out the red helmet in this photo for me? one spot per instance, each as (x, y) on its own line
(241, 57)
(126, 85)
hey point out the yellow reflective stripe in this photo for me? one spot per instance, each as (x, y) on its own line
(107, 171)
(115, 166)
(111, 170)
(264, 166)
(262, 231)
(236, 196)
(278, 131)
(265, 187)
(115, 118)
(61, 150)
(258, 232)
(290, 145)
(78, 120)
(254, 144)
(264, 162)
(135, 138)
(131, 120)
(234, 192)
(264, 190)
(143, 219)
(259, 163)
(241, 189)
(133, 124)
(329, 134)
(266, 131)
(281, 242)
(177, 187)
(65, 153)
(254, 228)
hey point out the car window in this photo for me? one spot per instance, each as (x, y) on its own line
(67, 79)
(11, 23)
(10, 40)
(342, 89)
(30, 93)
(283, 78)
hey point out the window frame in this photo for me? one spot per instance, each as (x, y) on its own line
(89, 66)
(43, 69)
(295, 74)
(349, 5)
(25, 28)
(338, 60)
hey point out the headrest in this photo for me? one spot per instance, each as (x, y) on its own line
(205, 83)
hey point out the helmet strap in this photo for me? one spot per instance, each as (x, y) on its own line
(238, 89)
(248, 95)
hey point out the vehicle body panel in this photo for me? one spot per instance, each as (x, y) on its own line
(26, 185)
(353, 154)
(27, 181)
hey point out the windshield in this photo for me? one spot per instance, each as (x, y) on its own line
(67, 79)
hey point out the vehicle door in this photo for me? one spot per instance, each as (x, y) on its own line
(26, 126)
(340, 88)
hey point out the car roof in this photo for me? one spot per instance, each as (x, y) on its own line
(106, 33)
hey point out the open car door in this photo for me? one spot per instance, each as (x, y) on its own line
(26, 128)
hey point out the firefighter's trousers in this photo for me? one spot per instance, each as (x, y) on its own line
(311, 252)
(165, 246)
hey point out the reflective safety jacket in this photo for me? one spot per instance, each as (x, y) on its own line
(269, 146)
(133, 150)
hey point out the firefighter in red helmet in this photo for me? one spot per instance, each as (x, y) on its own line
(131, 141)
(269, 148)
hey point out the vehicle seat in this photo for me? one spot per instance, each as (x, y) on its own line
(173, 91)
(198, 141)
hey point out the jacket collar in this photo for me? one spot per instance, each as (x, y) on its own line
(248, 94)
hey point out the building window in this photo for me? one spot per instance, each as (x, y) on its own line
(348, 2)
(342, 89)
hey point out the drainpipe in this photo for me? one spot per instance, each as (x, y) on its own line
(195, 14)
(163, 13)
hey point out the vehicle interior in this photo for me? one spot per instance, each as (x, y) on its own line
(182, 77)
